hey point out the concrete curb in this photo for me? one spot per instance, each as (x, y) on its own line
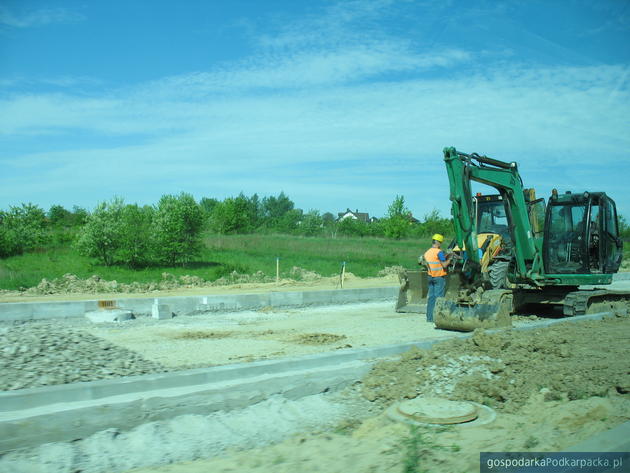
(30, 417)
(187, 305)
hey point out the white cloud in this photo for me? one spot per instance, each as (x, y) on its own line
(544, 109)
(39, 17)
(304, 70)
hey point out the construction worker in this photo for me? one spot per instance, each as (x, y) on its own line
(436, 262)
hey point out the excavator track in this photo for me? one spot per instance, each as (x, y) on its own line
(596, 300)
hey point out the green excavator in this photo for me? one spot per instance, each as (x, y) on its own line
(514, 252)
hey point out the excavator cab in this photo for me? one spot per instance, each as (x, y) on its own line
(581, 234)
(491, 216)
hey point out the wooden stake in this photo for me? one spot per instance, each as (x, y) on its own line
(343, 273)
(277, 270)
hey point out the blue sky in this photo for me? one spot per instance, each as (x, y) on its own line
(338, 104)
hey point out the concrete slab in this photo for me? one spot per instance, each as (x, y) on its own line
(108, 315)
(161, 311)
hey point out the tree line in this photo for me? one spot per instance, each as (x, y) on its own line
(170, 232)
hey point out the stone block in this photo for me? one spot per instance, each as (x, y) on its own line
(108, 315)
(161, 311)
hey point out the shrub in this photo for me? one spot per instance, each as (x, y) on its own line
(102, 235)
(434, 223)
(176, 229)
(136, 246)
(233, 215)
(311, 224)
(22, 229)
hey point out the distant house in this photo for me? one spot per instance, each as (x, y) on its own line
(354, 215)
(412, 219)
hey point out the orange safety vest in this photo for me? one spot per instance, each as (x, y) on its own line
(435, 265)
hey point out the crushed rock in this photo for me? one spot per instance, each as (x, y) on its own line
(42, 354)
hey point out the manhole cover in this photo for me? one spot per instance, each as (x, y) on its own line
(435, 411)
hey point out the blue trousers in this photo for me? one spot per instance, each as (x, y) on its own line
(436, 289)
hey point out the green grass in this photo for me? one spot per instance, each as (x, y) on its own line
(246, 254)
(363, 256)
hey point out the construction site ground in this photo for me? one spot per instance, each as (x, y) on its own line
(550, 387)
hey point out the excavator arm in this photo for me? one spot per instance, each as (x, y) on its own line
(465, 168)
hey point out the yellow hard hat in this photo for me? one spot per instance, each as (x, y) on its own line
(438, 237)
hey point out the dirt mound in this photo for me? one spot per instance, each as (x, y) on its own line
(301, 274)
(503, 370)
(72, 284)
(391, 271)
(239, 278)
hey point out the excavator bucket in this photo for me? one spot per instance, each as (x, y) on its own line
(492, 310)
(412, 296)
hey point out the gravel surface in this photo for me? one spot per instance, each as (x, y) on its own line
(40, 354)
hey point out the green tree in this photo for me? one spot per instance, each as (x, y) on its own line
(433, 223)
(311, 224)
(22, 229)
(274, 208)
(624, 227)
(102, 235)
(255, 211)
(9, 241)
(328, 219)
(58, 215)
(136, 244)
(79, 216)
(63, 226)
(207, 205)
(289, 222)
(177, 229)
(233, 215)
(396, 225)
(353, 227)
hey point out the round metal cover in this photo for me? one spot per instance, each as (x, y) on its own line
(437, 411)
